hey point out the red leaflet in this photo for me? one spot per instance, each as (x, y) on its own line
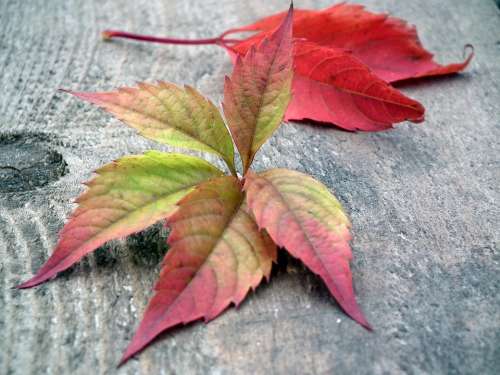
(387, 45)
(333, 86)
(217, 254)
(302, 216)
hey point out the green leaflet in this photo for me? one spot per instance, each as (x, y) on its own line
(127, 196)
(169, 114)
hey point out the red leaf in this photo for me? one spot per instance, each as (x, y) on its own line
(217, 254)
(387, 45)
(333, 86)
(300, 214)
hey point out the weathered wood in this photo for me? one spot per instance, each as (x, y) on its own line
(423, 199)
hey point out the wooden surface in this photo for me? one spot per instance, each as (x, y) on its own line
(424, 201)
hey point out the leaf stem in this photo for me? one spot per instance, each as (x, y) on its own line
(110, 34)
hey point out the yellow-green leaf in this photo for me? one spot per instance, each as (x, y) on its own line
(166, 113)
(127, 196)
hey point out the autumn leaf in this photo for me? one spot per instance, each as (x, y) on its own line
(331, 86)
(301, 215)
(347, 39)
(387, 45)
(127, 196)
(217, 254)
(258, 91)
(169, 114)
(224, 229)
(334, 87)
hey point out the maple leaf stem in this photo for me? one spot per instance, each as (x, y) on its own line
(110, 34)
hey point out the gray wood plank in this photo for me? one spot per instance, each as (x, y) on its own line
(424, 201)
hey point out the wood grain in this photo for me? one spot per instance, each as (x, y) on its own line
(423, 200)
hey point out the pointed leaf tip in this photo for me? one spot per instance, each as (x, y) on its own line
(30, 283)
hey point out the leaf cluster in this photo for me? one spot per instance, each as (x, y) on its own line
(225, 229)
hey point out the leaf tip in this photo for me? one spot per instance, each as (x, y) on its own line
(91, 97)
(287, 23)
(123, 360)
(364, 323)
(357, 315)
(34, 281)
(137, 345)
(420, 110)
(86, 96)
